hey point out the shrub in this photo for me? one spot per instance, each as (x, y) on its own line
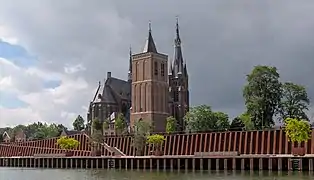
(67, 143)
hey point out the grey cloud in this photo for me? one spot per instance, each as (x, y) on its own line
(222, 39)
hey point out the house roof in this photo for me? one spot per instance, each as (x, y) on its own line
(6, 134)
(71, 132)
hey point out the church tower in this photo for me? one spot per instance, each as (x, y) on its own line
(150, 86)
(178, 83)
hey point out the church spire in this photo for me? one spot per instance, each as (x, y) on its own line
(150, 44)
(130, 65)
(178, 58)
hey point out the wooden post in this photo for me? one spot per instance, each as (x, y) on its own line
(193, 164)
(201, 164)
(261, 164)
(234, 164)
(179, 164)
(171, 164)
(165, 164)
(217, 164)
(126, 163)
(138, 164)
(66, 163)
(225, 164)
(279, 164)
(242, 165)
(311, 164)
(209, 164)
(270, 164)
(157, 164)
(186, 164)
(151, 164)
(144, 164)
(251, 164)
(290, 164)
(132, 164)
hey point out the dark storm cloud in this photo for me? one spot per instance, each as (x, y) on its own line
(222, 40)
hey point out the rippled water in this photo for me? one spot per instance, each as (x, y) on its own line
(67, 174)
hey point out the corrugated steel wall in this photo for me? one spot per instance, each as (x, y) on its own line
(244, 142)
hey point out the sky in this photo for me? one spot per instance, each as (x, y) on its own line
(53, 53)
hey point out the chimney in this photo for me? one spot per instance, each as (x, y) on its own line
(108, 75)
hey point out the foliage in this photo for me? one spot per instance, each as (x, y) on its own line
(236, 124)
(97, 125)
(78, 123)
(294, 101)
(202, 118)
(262, 95)
(141, 131)
(157, 140)
(247, 121)
(222, 121)
(67, 143)
(297, 130)
(171, 124)
(120, 124)
(106, 124)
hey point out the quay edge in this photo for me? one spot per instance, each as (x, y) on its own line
(244, 163)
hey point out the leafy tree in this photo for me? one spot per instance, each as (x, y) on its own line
(171, 124)
(236, 124)
(106, 124)
(97, 137)
(157, 140)
(67, 143)
(294, 101)
(142, 129)
(120, 124)
(222, 121)
(199, 118)
(247, 121)
(202, 118)
(297, 130)
(78, 123)
(262, 95)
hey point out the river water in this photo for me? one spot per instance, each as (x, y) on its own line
(66, 174)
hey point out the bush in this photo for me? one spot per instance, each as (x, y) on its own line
(67, 143)
(297, 130)
(156, 139)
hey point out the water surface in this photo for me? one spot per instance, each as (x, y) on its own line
(70, 174)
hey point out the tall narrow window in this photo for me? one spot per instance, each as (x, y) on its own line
(162, 69)
(156, 68)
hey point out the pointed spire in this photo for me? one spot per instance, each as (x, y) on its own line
(150, 44)
(177, 58)
(130, 65)
(177, 39)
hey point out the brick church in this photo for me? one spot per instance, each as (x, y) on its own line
(152, 91)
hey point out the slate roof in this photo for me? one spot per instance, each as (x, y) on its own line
(150, 44)
(116, 88)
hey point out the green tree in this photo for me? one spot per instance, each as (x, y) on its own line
(297, 130)
(236, 124)
(78, 123)
(142, 130)
(171, 124)
(200, 118)
(247, 121)
(294, 101)
(262, 95)
(120, 124)
(222, 120)
(97, 137)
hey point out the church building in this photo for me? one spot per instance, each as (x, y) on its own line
(152, 91)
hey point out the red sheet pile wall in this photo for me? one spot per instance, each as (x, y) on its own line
(245, 142)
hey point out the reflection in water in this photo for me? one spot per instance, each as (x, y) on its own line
(67, 174)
